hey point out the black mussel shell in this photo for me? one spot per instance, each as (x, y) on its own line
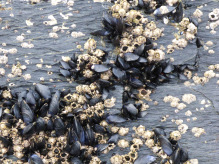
(40, 124)
(99, 68)
(43, 110)
(49, 125)
(178, 15)
(175, 157)
(5, 141)
(183, 155)
(115, 119)
(27, 113)
(35, 159)
(75, 149)
(65, 73)
(101, 33)
(59, 127)
(29, 129)
(130, 57)
(54, 104)
(122, 63)
(44, 91)
(21, 96)
(159, 131)
(166, 145)
(169, 68)
(102, 147)
(89, 136)
(140, 50)
(136, 83)
(1, 112)
(113, 139)
(130, 109)
(30, 99)
(65, 65)
(120, 74)
(75, 160)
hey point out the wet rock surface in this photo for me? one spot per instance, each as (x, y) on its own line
(87, 16)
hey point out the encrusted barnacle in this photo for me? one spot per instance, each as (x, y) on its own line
(114, 129)
(109, 103)
(111, 146)
(137, 19)
(151, 25)
(124, 49)
(140, 39)
(184, 22)
(99, 53)
(149, 143)
(89, 112)
(115, 8)
(99, 112)
(138, 30)
(137, 141)
(123, 143)
(133, 155)
(6, 94)
(156, 55)
(139, 130)
(172, 2)
(148, 134)
(116, 159)
(134, 147)
(123, 131)
(213, 16)
(90, 45)
(144, 94)
(51, 140)
(81, 99)
(175, 135)
(130, 15)
(106, 75)
(192, 28)
(95, 160)
(181, 43)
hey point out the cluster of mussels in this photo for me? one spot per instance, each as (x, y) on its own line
(40, 127)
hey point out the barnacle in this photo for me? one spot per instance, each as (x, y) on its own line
(123, 143)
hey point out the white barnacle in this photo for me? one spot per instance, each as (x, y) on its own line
(183, 128)
(188, 113)
(188, 98)
(198, 13)
(2, 71)
(198, 131)
(175, 135)
(123, 131)
(27, 76)
(123, 143)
